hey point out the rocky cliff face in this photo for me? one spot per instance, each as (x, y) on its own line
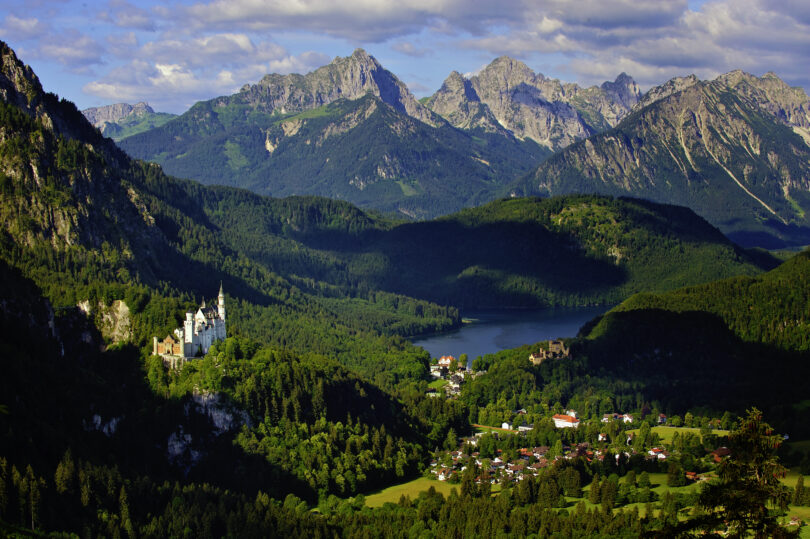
(348, 78)
(508, 95)
(726, 148)
(65, 185)
(98, 116)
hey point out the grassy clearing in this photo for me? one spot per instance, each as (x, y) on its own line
(486, 428)
(666, 433)
(437, 384)
(411, 489)
(407, 188)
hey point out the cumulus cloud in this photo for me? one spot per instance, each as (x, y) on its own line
(72, 49)
(126, 15)
(22, 28)
(173, 74)
(410, 49)
(371, 21)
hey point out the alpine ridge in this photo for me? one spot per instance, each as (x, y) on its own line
(734, 149)
(349, 130)
(508, 95)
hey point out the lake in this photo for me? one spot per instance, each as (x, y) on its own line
(492, 331)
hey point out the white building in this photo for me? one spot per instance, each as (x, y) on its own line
(200, 330)
(562, 421)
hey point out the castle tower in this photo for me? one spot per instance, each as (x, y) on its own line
(188, 328)
(221, 303)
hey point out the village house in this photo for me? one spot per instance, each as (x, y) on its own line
(562, 421)
(446, 361)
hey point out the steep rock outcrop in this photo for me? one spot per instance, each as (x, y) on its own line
(98, 116)
(508, 95)
(344, 78)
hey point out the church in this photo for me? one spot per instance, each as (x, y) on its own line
(200, 330)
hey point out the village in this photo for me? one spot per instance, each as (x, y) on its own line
(515, 463)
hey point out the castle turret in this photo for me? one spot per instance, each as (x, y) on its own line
(221, 303)
(188, 328)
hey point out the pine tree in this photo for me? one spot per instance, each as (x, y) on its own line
(749, 485)
(594, 495)
(798, 491)
(65, 474)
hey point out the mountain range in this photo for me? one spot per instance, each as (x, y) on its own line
(352, 130)
(734, 149)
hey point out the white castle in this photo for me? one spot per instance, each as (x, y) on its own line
(200, 330)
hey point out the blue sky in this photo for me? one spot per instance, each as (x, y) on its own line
(172, 54)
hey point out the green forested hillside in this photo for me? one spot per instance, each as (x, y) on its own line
(132, 125)
(738, 341)
(577, 250)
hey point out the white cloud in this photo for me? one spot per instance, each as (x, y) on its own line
(22, 28)
(409, 49)
(72, 49)
(360, 20)
(174, 74)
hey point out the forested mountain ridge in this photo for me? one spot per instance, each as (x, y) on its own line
(733, 149)
(733, 342)
(84, 221)
(349, 130)
(575, 250)
(84, 224)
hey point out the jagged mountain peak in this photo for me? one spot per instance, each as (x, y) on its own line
(18, 83)
(624, 90)
(532, 106)
(349, 77)
(662, 91)
(19, 86)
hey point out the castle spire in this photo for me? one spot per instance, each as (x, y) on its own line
(221, 302)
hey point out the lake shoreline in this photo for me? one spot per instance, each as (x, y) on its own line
(488, 331)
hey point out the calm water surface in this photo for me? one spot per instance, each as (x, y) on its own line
(493, 331)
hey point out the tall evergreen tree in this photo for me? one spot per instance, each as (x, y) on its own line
(749, 498)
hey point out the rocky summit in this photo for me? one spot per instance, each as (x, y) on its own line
(344, 78)
(98, 116)
(508, 95)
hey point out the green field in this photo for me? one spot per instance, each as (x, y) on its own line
(437, 384)
(666, 433)
(410, 489)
